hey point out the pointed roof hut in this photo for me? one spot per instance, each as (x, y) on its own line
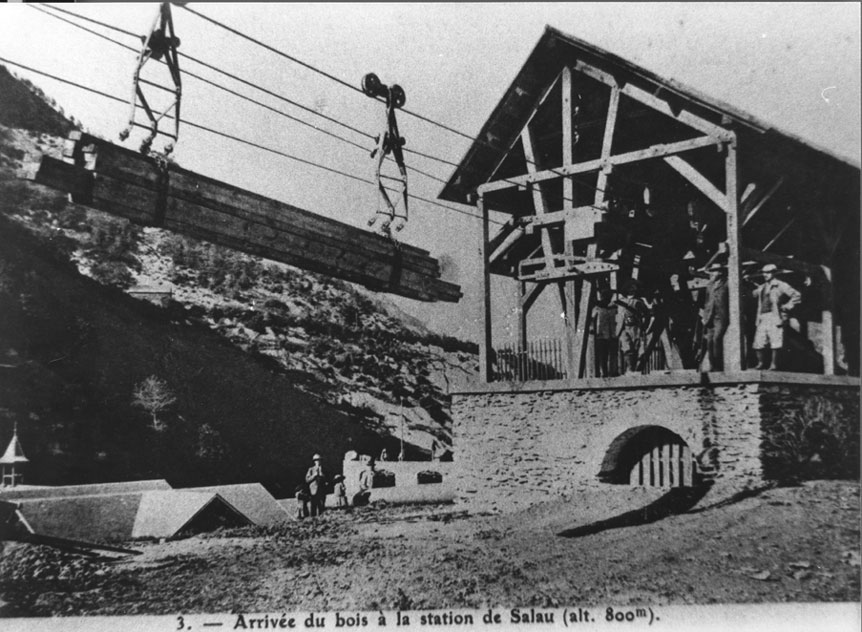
(11, 462)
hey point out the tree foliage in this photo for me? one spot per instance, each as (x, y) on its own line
(154, 396)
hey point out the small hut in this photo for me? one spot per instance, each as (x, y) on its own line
(12, 462)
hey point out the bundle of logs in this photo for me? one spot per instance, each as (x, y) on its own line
(146, 191)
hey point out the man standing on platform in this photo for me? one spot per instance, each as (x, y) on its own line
(775, 300)
(316, 480)
(715, 316)
(604, 330)
(630, 331)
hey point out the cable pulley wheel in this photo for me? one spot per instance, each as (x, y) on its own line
(397, 97)
(371, 85)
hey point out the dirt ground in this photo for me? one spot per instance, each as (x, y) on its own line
(781, 544)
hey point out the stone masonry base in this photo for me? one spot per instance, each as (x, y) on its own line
(519, 446)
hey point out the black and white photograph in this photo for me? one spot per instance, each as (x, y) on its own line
(376, 316)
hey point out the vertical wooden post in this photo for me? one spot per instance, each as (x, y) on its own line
(485, 349)
(540, 205)
(666, 456)
(522, 317)
(568, 289)
(687, 474)
(734, 338)
(568, 144)
(828, 326)
(607, 143)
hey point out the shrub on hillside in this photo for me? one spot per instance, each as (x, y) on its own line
(113, 273)
(818, 440)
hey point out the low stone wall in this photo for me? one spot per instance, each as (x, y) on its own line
(407, 487)
(517, 446)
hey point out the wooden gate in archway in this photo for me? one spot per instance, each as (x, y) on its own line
(666, 464)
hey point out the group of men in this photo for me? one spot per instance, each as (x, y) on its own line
(631, 320)
(311, 496)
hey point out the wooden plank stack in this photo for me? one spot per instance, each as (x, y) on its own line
(110, 178)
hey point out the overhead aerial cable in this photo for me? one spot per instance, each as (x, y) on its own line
(388, 142)
(160, 43)
(210, 130)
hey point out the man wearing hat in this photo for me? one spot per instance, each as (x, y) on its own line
(630, 322)
(316, 480)
(775, 300)
(715, 315)
(604, 329)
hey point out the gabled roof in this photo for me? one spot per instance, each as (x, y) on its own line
(252, 500)
(14, 452)
(164, 514)
(554, 51)
(96, 489)
(119, 517)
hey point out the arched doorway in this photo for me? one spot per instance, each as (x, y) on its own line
(649, 456)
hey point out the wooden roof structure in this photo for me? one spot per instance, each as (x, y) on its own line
(610, 171)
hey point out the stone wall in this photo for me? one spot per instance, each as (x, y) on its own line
(406, 476)
(515, 448)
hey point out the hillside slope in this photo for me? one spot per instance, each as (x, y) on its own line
(73, 352)
(74, 349)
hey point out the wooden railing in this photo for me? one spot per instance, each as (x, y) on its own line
(541, 360)
(547, 359)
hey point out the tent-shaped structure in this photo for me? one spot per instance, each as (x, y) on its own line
(252, 500)
(124, 516)
(165, 514)
(607, 172)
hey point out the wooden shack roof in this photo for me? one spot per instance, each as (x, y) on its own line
(555, 50)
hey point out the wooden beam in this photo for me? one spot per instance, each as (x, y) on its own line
(539, 202)
(607, 143)
(763, 200)
(507, 243)
(650, 99)
(522, 316)
(814, 271)
(486, 373)
(655, 151)
(734, 338)
(568, 138)
(826, 323)
(538, 104)
(568, 304)
(127, 184)
(683, 115)
(529, 296)
(247, 233)
(557, 217)
(779, 234)
(129, 166)
(585, 310)
(700, 182)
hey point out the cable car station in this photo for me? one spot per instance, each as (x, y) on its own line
(705, 265)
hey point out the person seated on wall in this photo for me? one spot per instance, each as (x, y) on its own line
(775, 302)
(366, 482)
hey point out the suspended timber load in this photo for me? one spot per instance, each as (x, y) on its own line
(154, 193)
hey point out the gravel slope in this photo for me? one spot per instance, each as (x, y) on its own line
(784, 544)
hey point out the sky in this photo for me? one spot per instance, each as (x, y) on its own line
(794, 65)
